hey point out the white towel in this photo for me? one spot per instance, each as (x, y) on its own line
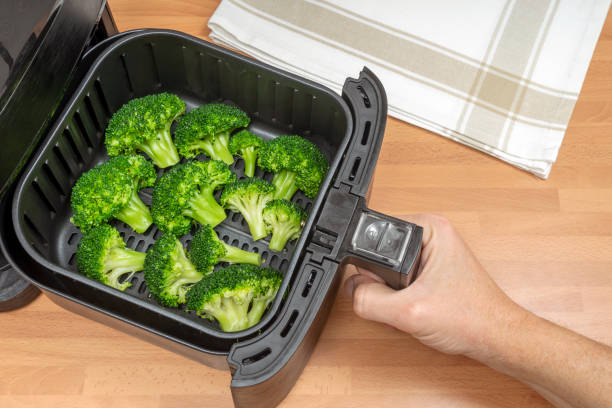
(501, 76)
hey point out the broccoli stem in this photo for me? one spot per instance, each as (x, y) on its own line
(187, 276)
(281, 233)
(237, 255)
(249, 155)
(161, 149)
(252, 213)
(205, 209)
(258, 308)
(232, 315)
(284, 181)
(125, 258)
(135, 214)
(215, 147)
(221, 150)
(119, 262)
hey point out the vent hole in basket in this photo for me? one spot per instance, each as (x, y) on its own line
(102, 97)
(366, 133)
(127, 72)
(140, 245)
(81, 126)
(309, 283)
(61, 159)
(283, 265)
(43, 197)
(273, 261)
(225, 239)
(142, 287)
(72, 258)
(75, 150)
(264, 255)
(289, 324)
(34, 230)
(245, 246)
(235, 242)
(53, 179)
(355, 168)
(157, 234)
(235, 217)
(72, 238)
(92, 113)
(364, 96)
(256, 357)
(130, 241)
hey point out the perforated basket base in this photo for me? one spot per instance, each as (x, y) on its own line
(233, 230)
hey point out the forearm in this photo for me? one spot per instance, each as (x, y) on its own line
(565, 367)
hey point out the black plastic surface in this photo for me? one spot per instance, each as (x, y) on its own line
(15, 291)
(37, 86)
(154, 61)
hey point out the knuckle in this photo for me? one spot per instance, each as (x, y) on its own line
(441, 223)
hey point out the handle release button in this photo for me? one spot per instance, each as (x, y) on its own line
(379, 238)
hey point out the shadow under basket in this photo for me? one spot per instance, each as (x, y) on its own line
(267, 358)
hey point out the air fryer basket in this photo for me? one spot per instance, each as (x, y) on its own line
(267, 358)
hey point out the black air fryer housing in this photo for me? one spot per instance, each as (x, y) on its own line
(266, 359)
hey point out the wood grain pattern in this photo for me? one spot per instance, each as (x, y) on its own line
(547, 243)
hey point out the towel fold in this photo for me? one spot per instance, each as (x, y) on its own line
(501, 76)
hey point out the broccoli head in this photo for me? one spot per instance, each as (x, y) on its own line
(246, 144)
(206, 129)
(269, 282)
(102, 256)
(143, 124)
(207, 250)
(168, 272)
(249, 197)
(110, 190)
(297, 164)
(236, 296)
(185, 193)
(285, 221)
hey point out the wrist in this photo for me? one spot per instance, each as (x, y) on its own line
(502, 335)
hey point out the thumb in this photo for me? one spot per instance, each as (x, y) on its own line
(372, 299)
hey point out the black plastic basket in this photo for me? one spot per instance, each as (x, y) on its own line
(267, 358)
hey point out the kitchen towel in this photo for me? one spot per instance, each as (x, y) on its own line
(501, 76)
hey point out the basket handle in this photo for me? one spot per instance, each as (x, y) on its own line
(386, 245)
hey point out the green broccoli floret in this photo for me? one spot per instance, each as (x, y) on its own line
(207, 250)
(143, 124)
(297, 164)
(102, 256)
(270, 281)
(249, 197)
(235, 296)
(207, 129)
(285, 221)
(246, 144)
(185, 193)
(110, 190)
(168, 272)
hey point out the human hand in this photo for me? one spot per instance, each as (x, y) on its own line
(453, 305)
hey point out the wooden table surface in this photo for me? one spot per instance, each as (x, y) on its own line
(548, 244)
